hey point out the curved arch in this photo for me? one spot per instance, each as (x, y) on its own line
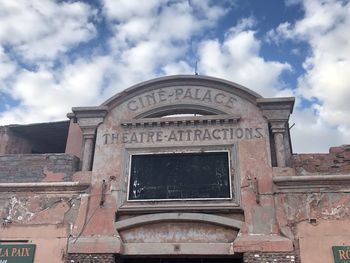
(182, 80)
(165, 217)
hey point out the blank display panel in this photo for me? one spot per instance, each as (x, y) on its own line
(179, 176)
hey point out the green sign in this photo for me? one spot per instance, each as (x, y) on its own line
(341, 254)
(17, 253)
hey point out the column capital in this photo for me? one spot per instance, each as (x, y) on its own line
(276, 109)
(278, 126)
(89, 118)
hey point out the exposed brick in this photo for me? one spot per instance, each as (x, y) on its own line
(90, 258)
(337, 161)
(34, 167)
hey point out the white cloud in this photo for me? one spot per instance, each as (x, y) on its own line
(145, 43)
(122, 10)
(325, 27)
(237, 58)
(43, 97)
(180, 67)
(44, 29)
(311, 134)
(152, 40)
(7, 67)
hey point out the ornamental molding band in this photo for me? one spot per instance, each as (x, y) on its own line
(310, 183)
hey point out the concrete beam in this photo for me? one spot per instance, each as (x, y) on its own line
(134, 249)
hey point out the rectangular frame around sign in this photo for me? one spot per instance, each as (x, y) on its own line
(341, 254)
(23, 253)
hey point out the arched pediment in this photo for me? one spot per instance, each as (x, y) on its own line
(182, 94)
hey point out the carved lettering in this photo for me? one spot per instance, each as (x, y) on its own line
(132, 105)
(181, 132)
(142, 134)
(159, 136)
(172, 136)
(189, 132)
(230, 102)
(259, 134)
(151, 99)
(206, 135)
(150, 136)
(184, 135)
(216, 135)
(219, 98)
(161, 95)
(133, 138)
(248, 133)
(207, 96)
(114, 137)
(239, 133)
(125, 138)
(196, 95)
(180, 93)
(188, 94)
(106, 136)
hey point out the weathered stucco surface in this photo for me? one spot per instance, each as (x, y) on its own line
(127, 129)
(173, 232)
(273, 210)
(316, 240)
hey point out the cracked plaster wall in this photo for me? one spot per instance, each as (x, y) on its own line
(31, 209)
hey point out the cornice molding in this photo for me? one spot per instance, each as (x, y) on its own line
(312, 183)
(181, 121)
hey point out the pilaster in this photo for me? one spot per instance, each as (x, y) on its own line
(88, 119)
(277, 112)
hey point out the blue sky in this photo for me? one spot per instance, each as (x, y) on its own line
(58, 54)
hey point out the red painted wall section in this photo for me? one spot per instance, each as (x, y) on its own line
(11, 144)
(74, 140)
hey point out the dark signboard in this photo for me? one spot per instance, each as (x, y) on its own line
(17, 253)
(179, 176)
(341, 254)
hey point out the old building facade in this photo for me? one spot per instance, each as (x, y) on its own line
(176, 169)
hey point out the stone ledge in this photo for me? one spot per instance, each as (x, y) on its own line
(263, 243)
(134, 249)
(95, 245)
(311, 183)
(44, 187)
(141, 209)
